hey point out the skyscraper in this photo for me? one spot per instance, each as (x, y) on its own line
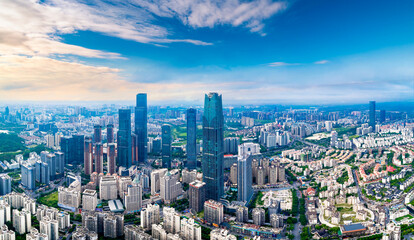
(197, 196)
(124, 138)
(382, 116)
(372, 114)
(111, 158)
(88, 159)
(191, 138)
(28, 176)
(110, 133)
(97, 133)
(213, 135)
(166, 145)
(98, 156)
(141, 126)
(244, 178)
(72, 148)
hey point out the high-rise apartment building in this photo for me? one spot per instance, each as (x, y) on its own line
(97, 133)
(170, 186)
(166, 145)
(213, 212)
(171, 220)
(111, 158)
(88, 156)
(141, 126)
(213, 136)
(372, 115)
(98, 158)
(244, 178)
(110, 133)
(108, 188)
(28, 176)
(150, 215)
(258, 215)
(124, 138)
(5, 184)
(133, 197)
(197, 196)
(89, 200)
(191, 138)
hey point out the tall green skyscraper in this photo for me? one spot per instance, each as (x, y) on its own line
(141, 126)
(191, 138)
(166, 145)
(213, 146)
(124, 138)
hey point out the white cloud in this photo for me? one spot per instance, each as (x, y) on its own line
(321, 62)
(202, 13)
(281, 64)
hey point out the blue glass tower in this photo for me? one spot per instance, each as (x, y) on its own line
(166, 145)
(124, 138)
(191, 138)
(372, 115)
(213, 152)
(141, 126)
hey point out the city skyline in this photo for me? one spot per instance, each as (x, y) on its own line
(258, 52)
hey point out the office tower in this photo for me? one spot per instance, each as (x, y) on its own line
(60, 162)
(108, 189)
(213, 212)
(166, 145)
(372, 115)
(170, 187)
(110, 133)
(258, 215)
(190, 230)
(133, 197)
(191, 138)
(244, 178)
(111, 158)
(155, 180)
(73, 149)
(242, 214)
(141, 126)
(124, 138)
(50, 227)
(28, 176)
(77, 148)
(5, 184)
(171, 220)
(50, 140)
(233, 173)
(97, 133)
(197, 196)
(88, 156)
(123, 183)
(212, 164)
(150, 215)
(98, 158)
(89, 200)
(382, 116)
(156, 145)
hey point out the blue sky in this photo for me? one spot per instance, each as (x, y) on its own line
(258, 51)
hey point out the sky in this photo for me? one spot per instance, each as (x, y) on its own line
(252, 52)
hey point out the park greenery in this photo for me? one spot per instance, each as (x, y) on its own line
(50, 199)
(11, 143)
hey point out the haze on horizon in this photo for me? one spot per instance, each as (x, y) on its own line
(252, 52)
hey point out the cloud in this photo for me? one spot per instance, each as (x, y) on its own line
(321, 62)
(281, 64)
(201, 13)
(33, 27)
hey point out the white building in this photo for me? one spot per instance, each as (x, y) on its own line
(89, 200)
(108, 188)
(150, 215)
